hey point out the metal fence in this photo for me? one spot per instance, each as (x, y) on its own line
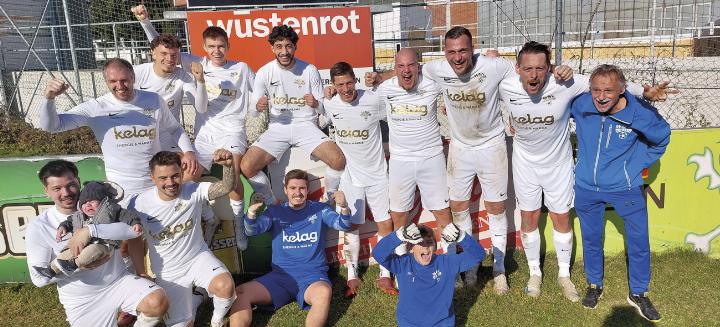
(652, 41)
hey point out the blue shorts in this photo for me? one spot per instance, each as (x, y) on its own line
(283, 287)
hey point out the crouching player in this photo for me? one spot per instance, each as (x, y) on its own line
(299, 266)
(427, 280)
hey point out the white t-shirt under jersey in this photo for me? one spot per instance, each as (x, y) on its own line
(172, 228)
(472, 99)
(172, 88)
(412, 119)
(357, 133)
(542, 132)
(286, 89)
(128, 133)
(228, 88)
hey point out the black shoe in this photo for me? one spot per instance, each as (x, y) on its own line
(592, 295)
(67, 265)
(644, 306)
(45, 271)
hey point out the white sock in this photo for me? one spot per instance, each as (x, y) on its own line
(238, 207)
(498, 236)
(145, 321)
(531, 243)
(463, 221)
(351, 250)
(261, 183)
(383, 271)
(563, 250)
(221, 307)
(332, 181)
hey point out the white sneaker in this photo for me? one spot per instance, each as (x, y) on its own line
(241, 239)
(533, 286)
(501, 286)
(568, 289)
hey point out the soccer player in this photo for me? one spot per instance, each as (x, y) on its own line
(171, 215)
(127, 122)
(539, 108)
(416, 150)
(299, 266)
(618, 136)
(427, 280)
(356, 115)
(291, 90)
(92, 296)
(229, 84)
(470, 83)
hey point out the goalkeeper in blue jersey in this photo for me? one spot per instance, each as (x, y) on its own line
(426, 280)
(299, 267)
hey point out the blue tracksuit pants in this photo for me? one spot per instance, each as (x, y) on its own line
(631, 206)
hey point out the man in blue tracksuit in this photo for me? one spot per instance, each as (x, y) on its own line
(426, 280)
(299, 267)
(617, 136)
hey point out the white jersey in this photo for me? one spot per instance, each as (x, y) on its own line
(412, 119)
(228, 88)
(172, 88)
(357, 133)
(42, 249)
(172, 228)
(471, 100)
(542, 132)
(128, 133)
(286, 89)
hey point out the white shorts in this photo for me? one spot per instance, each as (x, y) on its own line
(179, 288)
(429, 175)
(206, 143)
(555, 182)
(374, 197)
(490, 165)
(278, 138)
(101, 309)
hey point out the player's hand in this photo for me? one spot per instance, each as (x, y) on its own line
(492, 53)
(256, 201)
(329, 91)
(262, 104)
(78, 240)
(197, 71)
(372, 79)
(189, 162)
(54, 88)
(60, 233)
(137, 228)
(140, 12)
(223, 157)
(340, 200)
(310, 101)
(562, 73)
(409, 233)
(451, 233)
(658, 92)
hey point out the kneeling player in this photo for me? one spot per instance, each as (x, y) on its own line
(299, 267)
(427, 280)
(171, 216)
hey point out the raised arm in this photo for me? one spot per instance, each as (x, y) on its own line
(472, 252)
(220, 188)
(257, 225)
(338, 221)
(198, 90)
(384, 251)
(50, 120)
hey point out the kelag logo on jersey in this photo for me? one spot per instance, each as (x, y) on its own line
(297, 237)
(171, 231)
(121, 134)
(408, 109)
(280, 100)
(547, 120)
(363, 134)
(220, 91)
(475, 97)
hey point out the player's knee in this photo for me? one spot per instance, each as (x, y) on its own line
(321, 294)
(155, 304)
(495, 208)
(223, 285)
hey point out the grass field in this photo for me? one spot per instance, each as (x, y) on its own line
(684, 288)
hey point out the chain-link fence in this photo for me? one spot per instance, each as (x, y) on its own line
(652, 41)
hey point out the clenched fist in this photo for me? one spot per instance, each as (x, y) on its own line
(140, 12)
(223, 157)
(197, 71)
(54, 88)
(262, 104)
(310, 101)
(372, 79)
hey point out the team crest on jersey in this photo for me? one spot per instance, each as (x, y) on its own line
(312, 219)
(149, 112)
(234, 74)
(171, 103)
(436, 275)
(622, 131)
(365, 114)
(479, 76)
(548, 99)
(300, 82)
(180, 206)
(170, 86)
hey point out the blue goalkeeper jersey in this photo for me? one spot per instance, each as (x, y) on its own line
(298, 241)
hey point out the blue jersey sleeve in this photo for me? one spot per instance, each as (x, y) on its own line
(472, 254)
(384, 253)
(335, 220)
(655, 131)
(258, 225)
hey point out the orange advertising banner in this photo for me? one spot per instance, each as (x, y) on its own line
(327, 35)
